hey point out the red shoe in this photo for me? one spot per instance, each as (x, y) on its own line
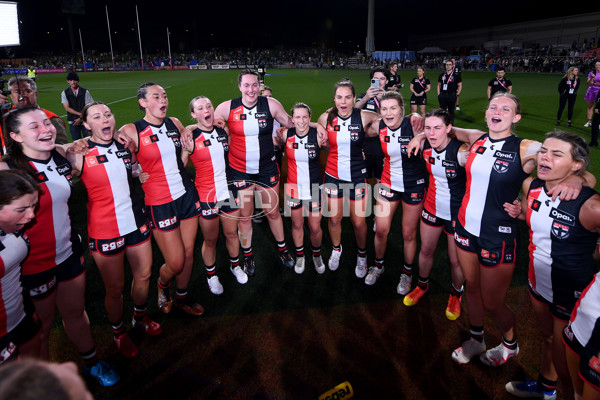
(147, 325)
(453, 309)
(413, 297)
(126, 347)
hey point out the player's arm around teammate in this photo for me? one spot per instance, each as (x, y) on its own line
(209, 149)
(345, 173)
(402, 182)
(53, 273)
(563, 238)
(252, 160)
(445, 158)
(117, 225)
(303, 197)
(172, 203)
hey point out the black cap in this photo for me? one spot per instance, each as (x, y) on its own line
(72, 76)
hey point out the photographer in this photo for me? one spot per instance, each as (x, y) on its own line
(23, 93)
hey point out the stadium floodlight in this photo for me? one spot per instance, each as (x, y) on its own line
(9, 24)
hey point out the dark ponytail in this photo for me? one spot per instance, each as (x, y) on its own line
(14, 151)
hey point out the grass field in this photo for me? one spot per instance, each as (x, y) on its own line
(288, 336)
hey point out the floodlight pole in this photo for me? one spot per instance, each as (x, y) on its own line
(169, 46)
(139, 36)
(112, 55)
(370, 41)
(82, 55)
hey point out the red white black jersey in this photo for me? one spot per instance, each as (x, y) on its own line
(346, 160)
(114, 208)
(50, 233)
(585, 318)
(251, 130)
(400, 173)
(159, 154)
(560, 248)
(447, 180)
(210, 161)
(303, 155)
(494, 177)
(13, 249)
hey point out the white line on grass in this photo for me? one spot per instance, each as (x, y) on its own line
(118, 101)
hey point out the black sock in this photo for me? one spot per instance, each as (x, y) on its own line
(139, 311)
(510, 344)
(476, 332)
(181, 294)
(118, 328)
(407, 269)
(316, 251)
(379, 262)
(89, 357)
(300, 251)
(456, 292)
(211, 270)
(546, 384)
(281, 247)
(423, 283)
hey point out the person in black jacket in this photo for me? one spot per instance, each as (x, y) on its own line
(567, 90)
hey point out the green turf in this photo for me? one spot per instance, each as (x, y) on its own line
(289, 336)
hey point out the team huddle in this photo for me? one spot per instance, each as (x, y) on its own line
(463, 182)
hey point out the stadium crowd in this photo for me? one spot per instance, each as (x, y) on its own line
(548, 59)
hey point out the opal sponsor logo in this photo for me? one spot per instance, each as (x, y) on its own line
(562, 216)
(509, 156)
(63, 169)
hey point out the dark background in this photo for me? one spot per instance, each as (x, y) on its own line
(203, 25)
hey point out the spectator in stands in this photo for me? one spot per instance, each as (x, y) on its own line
(567, 90)
(74, 98)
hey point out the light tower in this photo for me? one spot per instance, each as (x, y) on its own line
(370, 41)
